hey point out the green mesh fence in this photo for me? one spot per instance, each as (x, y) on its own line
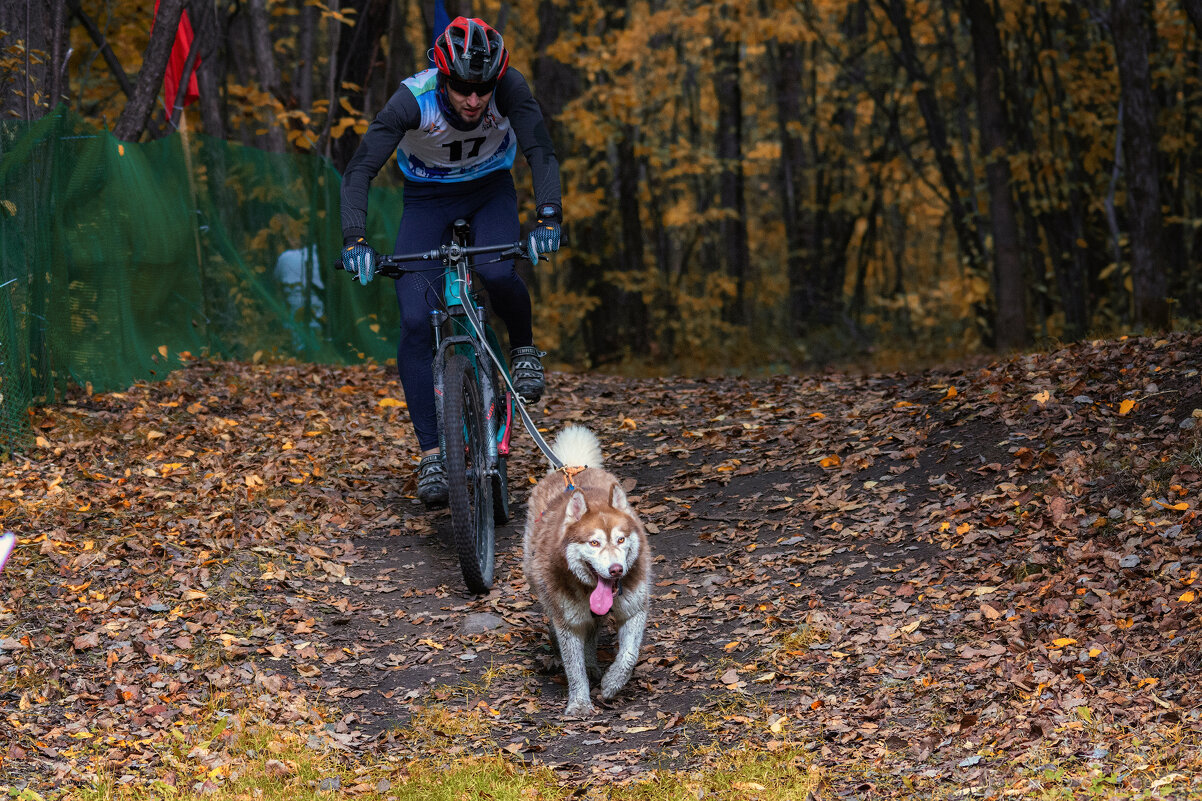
(14, 376)
(120, 262)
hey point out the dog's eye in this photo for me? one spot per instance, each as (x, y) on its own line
(595, 543)
(621, 540)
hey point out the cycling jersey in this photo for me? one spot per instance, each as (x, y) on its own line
(438, 151)
(431, 145)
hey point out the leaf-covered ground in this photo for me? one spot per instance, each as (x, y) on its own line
(977, 581)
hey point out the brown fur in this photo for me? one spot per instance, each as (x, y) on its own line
(551, 531)
(550, 500)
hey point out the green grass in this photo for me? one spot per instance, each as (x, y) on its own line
(301, 779)
(231, 757)
(741, 774)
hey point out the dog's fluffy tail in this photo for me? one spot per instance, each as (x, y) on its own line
(576, 446)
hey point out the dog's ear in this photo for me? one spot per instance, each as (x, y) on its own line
(617, 498)
(577, 506)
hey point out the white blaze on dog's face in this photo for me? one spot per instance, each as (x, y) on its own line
(602, 545)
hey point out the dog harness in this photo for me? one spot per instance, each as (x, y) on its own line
(570, 473)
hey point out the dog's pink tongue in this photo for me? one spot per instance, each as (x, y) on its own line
(602, 598)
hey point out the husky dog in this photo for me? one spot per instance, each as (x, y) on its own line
(587, 558)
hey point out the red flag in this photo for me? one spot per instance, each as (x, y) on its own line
(175, 65)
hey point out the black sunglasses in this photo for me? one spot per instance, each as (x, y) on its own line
(467, 89)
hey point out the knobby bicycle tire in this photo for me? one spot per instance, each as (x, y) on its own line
(469, 488)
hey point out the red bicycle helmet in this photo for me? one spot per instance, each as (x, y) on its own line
(471, 51)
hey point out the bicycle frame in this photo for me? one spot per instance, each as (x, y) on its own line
(457, 282)
(457, 292)
(472, 439)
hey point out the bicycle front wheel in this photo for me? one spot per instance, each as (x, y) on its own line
(469, 487)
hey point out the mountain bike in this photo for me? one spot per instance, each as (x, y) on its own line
(473, 398)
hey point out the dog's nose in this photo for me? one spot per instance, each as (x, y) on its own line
(616, 570)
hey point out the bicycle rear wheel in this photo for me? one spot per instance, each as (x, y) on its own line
(469, 487)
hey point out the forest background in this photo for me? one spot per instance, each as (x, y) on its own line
(747, 184)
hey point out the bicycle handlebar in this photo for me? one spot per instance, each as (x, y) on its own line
(392, 266)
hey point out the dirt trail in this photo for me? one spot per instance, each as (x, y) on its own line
(952, 577)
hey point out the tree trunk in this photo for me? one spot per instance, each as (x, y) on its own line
(936, 127)
(334, 36)
(302, 79)
(57, 84)
(106, 52)
(133, 119)
(25, 27)
(961, 107)
(269, 80)
(732, 225)
(1011, 322)
(836, 222)
(402, 60)
(634, 311)
(1193, 8)
(1068, 226)
(1064, 225)
(1129, 24)
(555, 83)
(356, 52)
(210, 26)
(786, 68)
(618, 327)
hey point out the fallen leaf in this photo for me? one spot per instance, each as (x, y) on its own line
(86, 641)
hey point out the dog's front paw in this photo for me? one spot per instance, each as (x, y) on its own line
(612, 684)
(579, 709)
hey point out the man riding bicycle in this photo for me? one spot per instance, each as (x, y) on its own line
(455, 129)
